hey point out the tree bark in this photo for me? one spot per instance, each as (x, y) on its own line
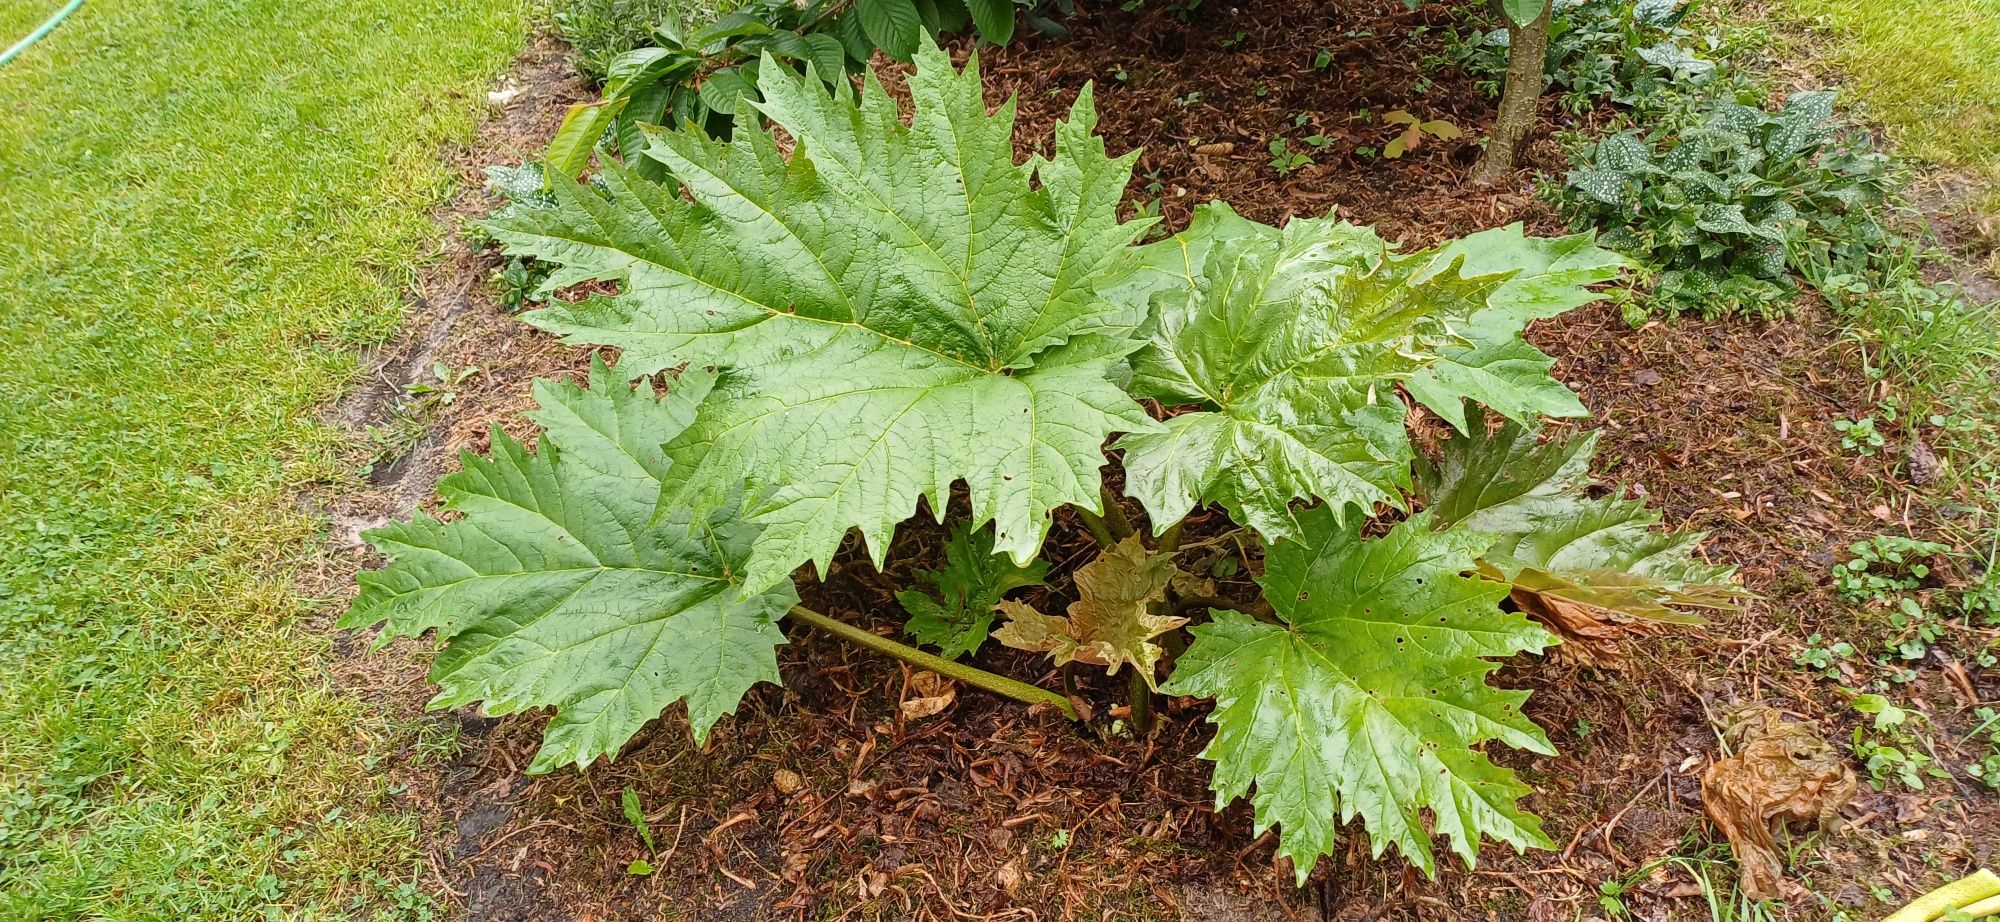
(1527, 60)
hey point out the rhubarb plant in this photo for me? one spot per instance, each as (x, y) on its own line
(880, 309)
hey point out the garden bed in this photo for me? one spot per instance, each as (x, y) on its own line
(822, 800)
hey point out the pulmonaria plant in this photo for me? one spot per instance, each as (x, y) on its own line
(887, 309)
(1729, 206)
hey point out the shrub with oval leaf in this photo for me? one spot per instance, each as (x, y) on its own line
(852, 326)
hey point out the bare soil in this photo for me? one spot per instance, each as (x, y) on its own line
(989, 811)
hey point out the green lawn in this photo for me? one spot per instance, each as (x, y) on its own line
(209, 205)
(1930, 72)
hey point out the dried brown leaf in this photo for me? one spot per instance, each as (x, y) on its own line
(1782, 773)
(933, 693)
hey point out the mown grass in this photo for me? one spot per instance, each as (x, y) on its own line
(1929, 72)
(210, 204)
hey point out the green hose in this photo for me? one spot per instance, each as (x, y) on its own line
(40, 32)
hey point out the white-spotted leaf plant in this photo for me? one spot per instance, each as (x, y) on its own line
(857, 310)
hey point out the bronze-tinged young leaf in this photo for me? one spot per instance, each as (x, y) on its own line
(967, 591)
(1554, 540)
(1110, 623)
(1370, 698)
(1292, 342)
(554, 587)
(893, 307)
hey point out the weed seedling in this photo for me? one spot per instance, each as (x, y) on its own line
(1889, 747)
(1884, 567)
(1827, 661)
(1414, 131)
(1859, 435)
(1286, 160)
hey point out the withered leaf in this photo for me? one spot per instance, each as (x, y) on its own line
(1782, 773)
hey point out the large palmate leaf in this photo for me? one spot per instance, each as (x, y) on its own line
(1292, 342)
(1553, 539)
(1111, 622)
(957, 617)
(1370, 699)
(551, 588)
(893, 308)
(1494, 365)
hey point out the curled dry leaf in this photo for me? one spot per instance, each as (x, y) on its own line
(1782, 773)
(1589, 634)
(1009, 877)
(933, 693)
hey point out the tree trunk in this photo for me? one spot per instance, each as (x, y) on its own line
(1527, 59)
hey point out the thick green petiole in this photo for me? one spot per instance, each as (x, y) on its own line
(1114, 515)
(1095, 524)
(970, 675)
(1141, 694)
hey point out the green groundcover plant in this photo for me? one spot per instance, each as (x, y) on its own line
(848, 329)
(1729, 201)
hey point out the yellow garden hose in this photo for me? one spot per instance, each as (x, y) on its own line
(1976, 896)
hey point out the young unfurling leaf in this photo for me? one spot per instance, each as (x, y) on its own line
(1110, 624)
(956, 618)
(1370, 697)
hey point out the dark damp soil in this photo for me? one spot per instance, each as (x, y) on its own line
(820, 801)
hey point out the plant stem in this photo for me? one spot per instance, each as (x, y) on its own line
(1114, 514)
(1169, 541)
(1095, 523)
(1141, 695)
(970, 675)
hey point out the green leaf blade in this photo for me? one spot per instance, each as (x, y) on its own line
(1370, 698)
(894, 308)
(893, 25)
(576, 138)
(968, 587)
(1523, 12)
(995, 19)
(554, 587)
(1293, 342)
